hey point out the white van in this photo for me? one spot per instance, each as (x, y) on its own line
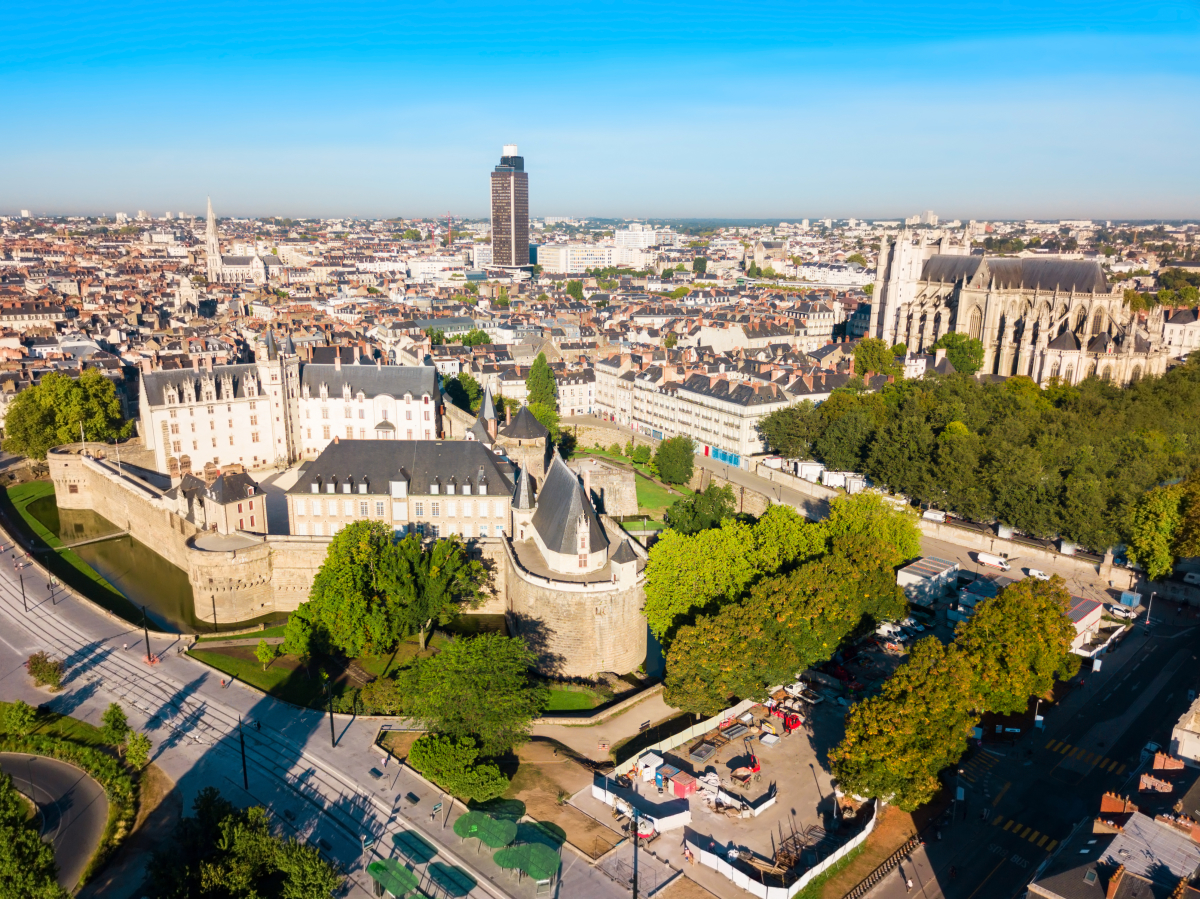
(934, 515)
(993, 561)
(1191, 578)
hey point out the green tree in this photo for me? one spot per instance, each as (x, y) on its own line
(476, 337)
(427, 584)
(1153, 525)
(548, 416)
(540, 382)
(844, 442)
(898, 741)
(50, 414)
(857, 257)
(1019, 642)
(575, 289)
(868, 289)
(615, 449)
(641, 454)
(790, 431)
(18, 719)
(45, 671)
(480, 687)
(114, 725)
(671, 340)
(436, 336)
(265, 652)
(347, 610)
(27, 867)
(137, 750)
(873, 355)
(868, 515)
(701, 510)
(700, 265)
(220, 851)
(502, 298)
(675, 459)
(451, 764)
(464, 391)
(628, 449)
(965, 353)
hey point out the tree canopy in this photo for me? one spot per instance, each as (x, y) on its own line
(464, 391)
(675, 459)
(451, 764)
(540, 382)
(1062, 460)
(476, 337)
(701, 510)
(220, 851)
(874, 355)
(371, 591)
(49, 414)
(965, 353)
(481, 687)
(27, 866)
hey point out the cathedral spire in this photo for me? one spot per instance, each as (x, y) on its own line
(212, 246)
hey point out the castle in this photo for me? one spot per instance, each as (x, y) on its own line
(1042, 318)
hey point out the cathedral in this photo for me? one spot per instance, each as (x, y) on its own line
(1040, 317)
(229, 269)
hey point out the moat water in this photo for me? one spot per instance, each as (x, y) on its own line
(139, 573)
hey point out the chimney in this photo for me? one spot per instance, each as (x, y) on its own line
(337, 439)
(507, 414)
(938, 355)
(357, 350)
(208, 364)
(850, 368)
(1114, 882)
(337, 358)
(196, 364)
(147, 366)
(587, 482)
(379, 363)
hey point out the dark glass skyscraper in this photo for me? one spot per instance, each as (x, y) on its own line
(510, 210)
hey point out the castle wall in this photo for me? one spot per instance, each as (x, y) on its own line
(577, 630)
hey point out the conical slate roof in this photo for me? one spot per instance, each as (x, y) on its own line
(565, 514)
(624, 553)
(523, 492)
(525, 427)
(487, 409)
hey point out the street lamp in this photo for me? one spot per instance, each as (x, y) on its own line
(957, 793)
(1149, 606)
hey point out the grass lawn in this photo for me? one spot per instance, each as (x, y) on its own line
(572, 698)
(255, 635)
(52, 724)
(654, 498)
(283, 679)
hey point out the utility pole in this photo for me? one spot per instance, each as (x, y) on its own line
(146, 634)
(242, 740)
(633, 817)
(332, 738)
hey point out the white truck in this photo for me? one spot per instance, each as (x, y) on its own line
(993, 561)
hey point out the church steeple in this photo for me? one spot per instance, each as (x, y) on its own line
(212, 246)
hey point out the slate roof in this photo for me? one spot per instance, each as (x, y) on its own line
(624, 553)
(525, 427)
(1153, 851)
(420, 462)
(523, 493)
(1079, 275)
(1182, 317)
(1064, 341)
(231, 487)
(157, 382)
(372, 380)
(564, 512)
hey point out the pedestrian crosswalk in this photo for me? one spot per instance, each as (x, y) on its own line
(1079, 754)
(1025, 832)
(979, 765)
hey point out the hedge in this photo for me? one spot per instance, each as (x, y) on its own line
(110, 773)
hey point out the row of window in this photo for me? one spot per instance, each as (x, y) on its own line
(326, 433)
(323, 529)
(177, 445)
(212, 425)
(347, 507)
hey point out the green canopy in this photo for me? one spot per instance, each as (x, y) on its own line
(454, 882)
(414, 847)
(537, 860)
(393, 876)
(486, 829)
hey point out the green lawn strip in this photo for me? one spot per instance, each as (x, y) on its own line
(78, 743)
(569, 699)
(250, 638)
(816, 886)
(290, 685)
(653, 498)
(98, 588)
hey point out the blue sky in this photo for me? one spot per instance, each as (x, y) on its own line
(788, 110)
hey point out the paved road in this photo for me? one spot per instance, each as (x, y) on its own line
(1036, 791)
(330, 797)
(73, 807)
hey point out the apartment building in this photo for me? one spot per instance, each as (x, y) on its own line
(577, 393)
(431, 487)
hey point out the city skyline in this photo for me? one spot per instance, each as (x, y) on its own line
(859, 110)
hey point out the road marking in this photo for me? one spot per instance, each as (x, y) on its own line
(1042, 841)
(1121, 769)
(1008, 825)
(986, 879)
(1110, 765)
(968, 777)
(997, 820)
(1050, 846)
(996, 801)
(1033, 836)
(1050, 745)
(1066, 747)
(1025, 833)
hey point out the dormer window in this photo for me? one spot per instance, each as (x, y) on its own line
(330, 487)
(450, 489)
(434, 488)
(466, 489)
(315, 486)
(362, 486)
(346, 487)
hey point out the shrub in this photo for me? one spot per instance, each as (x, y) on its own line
(18, 719)
(675, 459)
(45, 671)
(641, 455)
(451, 765)
(615, 449)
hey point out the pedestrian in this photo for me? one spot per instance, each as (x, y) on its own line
(125, 646)
(258, 725)
(908, 884)
(222, 683)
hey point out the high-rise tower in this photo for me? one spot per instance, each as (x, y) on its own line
(510, 210)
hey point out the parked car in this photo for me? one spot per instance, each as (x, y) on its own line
(911, 624)
(811, 698)
(1119, 611)
(1037, 575)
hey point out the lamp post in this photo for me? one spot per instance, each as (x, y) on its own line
(1149, 606)
(146, 634)
(957, 791)
(242, 740)
(24, 601)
